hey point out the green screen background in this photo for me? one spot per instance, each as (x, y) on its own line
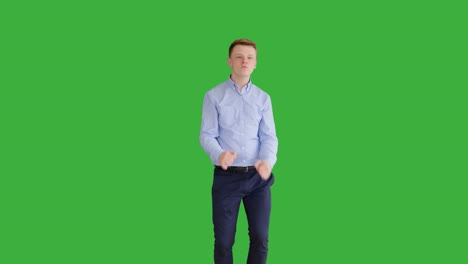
(100, 111)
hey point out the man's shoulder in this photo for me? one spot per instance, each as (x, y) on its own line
(217, 90)
(259, 92)
(220, 86)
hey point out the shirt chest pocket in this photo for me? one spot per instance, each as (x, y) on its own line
(227, 115)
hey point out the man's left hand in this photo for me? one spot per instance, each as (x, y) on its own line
(264, 169)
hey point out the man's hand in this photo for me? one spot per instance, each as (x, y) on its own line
(227, 158)
(264, 169)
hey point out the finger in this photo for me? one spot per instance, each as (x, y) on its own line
(257, 164)
(265, 175)
(233, 155)
(221, 158)
(232, 158)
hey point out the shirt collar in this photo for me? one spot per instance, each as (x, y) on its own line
(233, 85)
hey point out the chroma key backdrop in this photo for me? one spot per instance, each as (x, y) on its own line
(100, 113)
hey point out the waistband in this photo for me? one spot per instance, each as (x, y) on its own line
(237, 168)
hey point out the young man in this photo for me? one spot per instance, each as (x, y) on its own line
(238, 134)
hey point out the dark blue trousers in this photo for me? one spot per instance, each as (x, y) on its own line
(229, 189)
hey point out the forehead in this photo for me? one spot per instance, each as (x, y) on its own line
(244, 50)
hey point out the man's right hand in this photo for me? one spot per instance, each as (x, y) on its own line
(227, 158)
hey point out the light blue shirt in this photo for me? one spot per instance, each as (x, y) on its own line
(239, 121)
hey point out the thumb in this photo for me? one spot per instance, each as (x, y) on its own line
(257, 164)
(234, 154)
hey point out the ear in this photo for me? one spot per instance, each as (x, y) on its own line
(229, 61)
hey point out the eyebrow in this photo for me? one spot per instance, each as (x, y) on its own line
(239, 54)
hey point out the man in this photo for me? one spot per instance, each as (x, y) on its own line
(238, 133)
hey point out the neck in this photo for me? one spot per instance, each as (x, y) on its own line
(240, 81)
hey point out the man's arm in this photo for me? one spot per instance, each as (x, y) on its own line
(209, 129)
(267, 135)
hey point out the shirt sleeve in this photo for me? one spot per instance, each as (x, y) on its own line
(209, 130)
(267, 135)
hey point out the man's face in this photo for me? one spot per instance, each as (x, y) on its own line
(243, 60)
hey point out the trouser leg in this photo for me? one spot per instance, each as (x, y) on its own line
(225, 205)
(258, 207)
